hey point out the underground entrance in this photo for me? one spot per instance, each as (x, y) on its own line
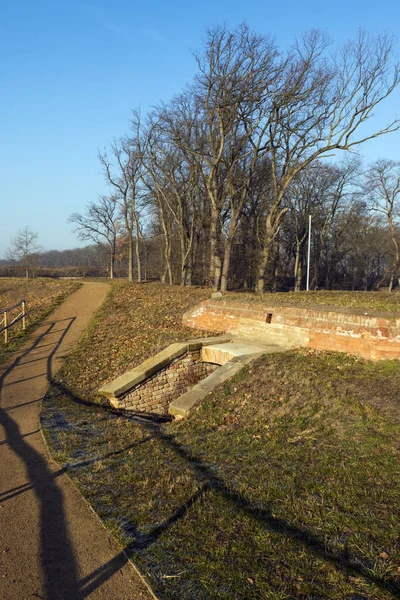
(174, 380)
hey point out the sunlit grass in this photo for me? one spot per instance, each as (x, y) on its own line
(370, 301)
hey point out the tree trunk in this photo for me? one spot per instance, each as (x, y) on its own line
(167, 246)
(145, 259)
(111, 264)
(138, 259)
(262, 266)
(164, 274)
(225, 268)
(228, 249)
(264, 256)
(112, 257)
(299, 276)
(130, 255)
(213, 247)
(397, 254)
(183, 259)
(189, 269)
(137, 249)
(168, 260)
(217, 273)
(297, 269)
(317, 251)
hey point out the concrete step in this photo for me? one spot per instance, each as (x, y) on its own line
(220, 354)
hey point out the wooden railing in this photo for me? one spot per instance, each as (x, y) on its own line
(6, 323)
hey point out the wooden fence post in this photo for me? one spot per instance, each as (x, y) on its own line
(6, 330)
(23, 315)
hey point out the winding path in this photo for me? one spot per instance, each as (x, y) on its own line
(52, 546)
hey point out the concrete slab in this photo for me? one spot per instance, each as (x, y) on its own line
(220, 354)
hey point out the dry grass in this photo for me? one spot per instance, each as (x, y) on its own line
(135, 322)
(284, 483)
(354, 301)
(41, 295)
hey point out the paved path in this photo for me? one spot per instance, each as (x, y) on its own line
(51, 544)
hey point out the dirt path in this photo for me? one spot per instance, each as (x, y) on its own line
(51, 544)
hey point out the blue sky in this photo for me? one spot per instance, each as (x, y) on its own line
(72, 71)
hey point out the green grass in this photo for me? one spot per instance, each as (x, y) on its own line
(284, 483)
(41, 295)
(358, 301)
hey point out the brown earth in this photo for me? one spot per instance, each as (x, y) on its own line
(52, 546)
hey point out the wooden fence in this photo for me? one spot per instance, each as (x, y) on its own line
(6, 323)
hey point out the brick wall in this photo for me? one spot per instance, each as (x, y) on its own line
(155, 393)
(374, 335)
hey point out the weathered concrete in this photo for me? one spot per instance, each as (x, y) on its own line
(52, 546)
(220, 354)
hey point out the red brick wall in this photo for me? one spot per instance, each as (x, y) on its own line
(372, 336)
(155, 393)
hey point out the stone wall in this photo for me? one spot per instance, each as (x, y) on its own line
(372, 335)
(154, 394)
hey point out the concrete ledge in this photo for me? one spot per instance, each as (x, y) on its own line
(181, 407)
(122, 384)
(220, 354)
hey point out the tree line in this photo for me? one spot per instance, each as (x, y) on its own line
(216, 186)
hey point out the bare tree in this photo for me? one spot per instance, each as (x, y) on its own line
(383, 187)
(249, 101)
(173, 178)
(220, 168)
(304, 196)
(24, 249)
(122, 173)
(318, 105)
(341, 191)
(99, 224)
(234, 70)
(367, 247)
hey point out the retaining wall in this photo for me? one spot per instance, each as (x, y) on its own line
(151, 386)
(155, 394)
(371, 335)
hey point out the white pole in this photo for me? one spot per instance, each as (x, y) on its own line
(308, 253)
(23, 315)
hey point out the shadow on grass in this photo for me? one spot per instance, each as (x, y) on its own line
(209, 480)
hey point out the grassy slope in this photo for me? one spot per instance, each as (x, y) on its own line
(370, 301)
(283, 484)
(41, 295)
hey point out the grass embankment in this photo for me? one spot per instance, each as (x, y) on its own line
(283, 484)
(41, 295)
(357, 301)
